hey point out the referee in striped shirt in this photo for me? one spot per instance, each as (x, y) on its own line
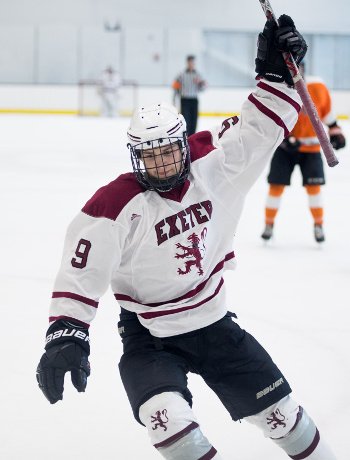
(187, 85)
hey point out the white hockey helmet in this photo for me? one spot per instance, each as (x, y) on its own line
(154, 127)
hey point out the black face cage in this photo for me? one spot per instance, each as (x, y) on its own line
(155, 178)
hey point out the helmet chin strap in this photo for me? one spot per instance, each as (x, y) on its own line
(165, 185)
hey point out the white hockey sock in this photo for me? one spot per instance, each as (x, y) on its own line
(304, 442)
(173, 429)
(289, 426)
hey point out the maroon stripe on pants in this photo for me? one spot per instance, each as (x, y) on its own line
(309, 450)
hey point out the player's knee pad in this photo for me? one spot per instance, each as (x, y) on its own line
(289, 426)
(173, 428)
(277, 420)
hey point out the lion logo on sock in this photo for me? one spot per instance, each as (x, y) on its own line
(276, 419)
(194, 252)
(160, 419)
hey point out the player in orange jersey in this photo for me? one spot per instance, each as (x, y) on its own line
(302, 148)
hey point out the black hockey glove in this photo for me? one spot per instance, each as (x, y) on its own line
(336, 136)
(271, 42)
(67, 350)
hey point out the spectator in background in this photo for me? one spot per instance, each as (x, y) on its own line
(302, 148)
(186, 86)
(108, 90)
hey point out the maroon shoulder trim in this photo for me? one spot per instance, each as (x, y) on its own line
(110, 200)
(200, 145)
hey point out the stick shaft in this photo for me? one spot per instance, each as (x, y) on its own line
(300, 86)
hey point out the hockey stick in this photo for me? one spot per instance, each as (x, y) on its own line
(300, 86)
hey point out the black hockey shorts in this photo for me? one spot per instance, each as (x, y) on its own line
(231, 362)
(283, 163)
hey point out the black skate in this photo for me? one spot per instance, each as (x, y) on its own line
(319, 233)
(267, 233)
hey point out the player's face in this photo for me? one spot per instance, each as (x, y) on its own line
(163, 162)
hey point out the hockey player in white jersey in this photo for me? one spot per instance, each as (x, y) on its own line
(161, 237)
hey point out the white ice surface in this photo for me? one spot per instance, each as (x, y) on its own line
(291, 294)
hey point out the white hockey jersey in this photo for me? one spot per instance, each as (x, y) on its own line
(164, 254)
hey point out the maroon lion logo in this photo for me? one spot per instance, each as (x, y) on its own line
(194, 253)
(276, 419)
(160, 419)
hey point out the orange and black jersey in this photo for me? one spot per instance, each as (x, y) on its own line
(304, 130)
